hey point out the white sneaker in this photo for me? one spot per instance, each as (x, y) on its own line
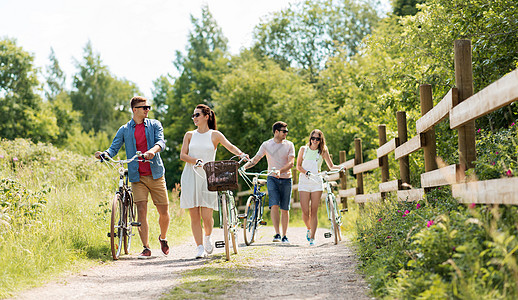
(208, 244)
(200, 251)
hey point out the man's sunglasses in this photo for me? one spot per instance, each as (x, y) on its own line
(314, 138)
(144, 107)
(284, 130)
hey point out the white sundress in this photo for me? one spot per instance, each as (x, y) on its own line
(194, 192)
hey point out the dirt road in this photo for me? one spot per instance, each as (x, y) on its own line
(287, 271)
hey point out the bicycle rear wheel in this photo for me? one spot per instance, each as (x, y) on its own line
(251, 220)
(224, 222)
(116, 232)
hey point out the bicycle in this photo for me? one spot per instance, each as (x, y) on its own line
(333, 213)
(222, 177)
(123, 210)
(254, 208)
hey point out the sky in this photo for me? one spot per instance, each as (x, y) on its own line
(137, 40)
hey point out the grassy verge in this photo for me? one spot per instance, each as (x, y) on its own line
(54, 214)
(214, 278)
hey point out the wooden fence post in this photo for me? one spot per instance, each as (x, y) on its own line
(382, 134)
(430, 150)
(343, 179)
(358, 159)
(404, 169)
(464, 83)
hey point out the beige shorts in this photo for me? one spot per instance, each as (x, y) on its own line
(146, 185)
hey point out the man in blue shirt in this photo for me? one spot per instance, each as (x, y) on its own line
(147, 136)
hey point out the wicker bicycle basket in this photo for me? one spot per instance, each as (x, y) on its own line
(221, 175)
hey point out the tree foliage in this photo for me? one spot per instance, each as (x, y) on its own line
(21, 105)
(102, 99)
(307, 33)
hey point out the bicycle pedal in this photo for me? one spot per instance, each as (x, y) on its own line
(137, 224)
(262, 223)
(344, 210)
(327, 235)
(241, 216)
(219, 244)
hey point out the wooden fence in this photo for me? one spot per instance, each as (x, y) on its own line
(462, 107)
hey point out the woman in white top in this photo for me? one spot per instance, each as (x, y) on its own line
(310, 187)
(199, 146)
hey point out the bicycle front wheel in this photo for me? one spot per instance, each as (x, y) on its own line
(251, 220)
(334, 225)
(116, 232)
(224, 222)
(130, 212)
(233, 222)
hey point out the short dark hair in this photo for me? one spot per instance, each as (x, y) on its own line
(136, 100)
(278, 125)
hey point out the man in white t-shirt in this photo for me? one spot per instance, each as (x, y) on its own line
(280, 154)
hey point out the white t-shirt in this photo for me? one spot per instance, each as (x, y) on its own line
(277, 155)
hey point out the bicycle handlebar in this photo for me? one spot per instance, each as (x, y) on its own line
(138, 156)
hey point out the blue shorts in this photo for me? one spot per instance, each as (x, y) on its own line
(279, 192)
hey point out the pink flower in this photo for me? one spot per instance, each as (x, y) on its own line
(15, 158)
(1, 156)
(389, 237)
(472, 205)
(496, 152)
(429, 223)
(52, 158)
(51, 173)
(512, 124)
(479, 130)
(407, 212)
(398, 211)
(509, 173)
(379, 220)
(418, 206)
(492, 163)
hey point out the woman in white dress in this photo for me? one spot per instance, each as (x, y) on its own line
(310, 187)
(199, 146)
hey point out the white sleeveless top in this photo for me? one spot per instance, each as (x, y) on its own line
(194, 192)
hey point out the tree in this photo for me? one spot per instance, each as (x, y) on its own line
(55, 78)
(201, 71)
(255, 95)
(102, 99)
(26, 116)
(307, 33)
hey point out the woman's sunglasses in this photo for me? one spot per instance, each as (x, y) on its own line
(314, 138)
(195, 115)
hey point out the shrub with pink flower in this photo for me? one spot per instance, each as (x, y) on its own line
(429, 223)
(406, 213)
(418, 206)
(509, 173)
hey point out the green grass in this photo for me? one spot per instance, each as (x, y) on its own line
(213, 279)
(55, 212)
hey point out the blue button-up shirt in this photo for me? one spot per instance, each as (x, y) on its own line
(154, 136)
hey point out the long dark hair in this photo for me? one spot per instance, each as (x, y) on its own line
(205, 110)
(322, 144)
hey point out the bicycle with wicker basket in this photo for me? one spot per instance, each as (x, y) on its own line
(222, 177)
